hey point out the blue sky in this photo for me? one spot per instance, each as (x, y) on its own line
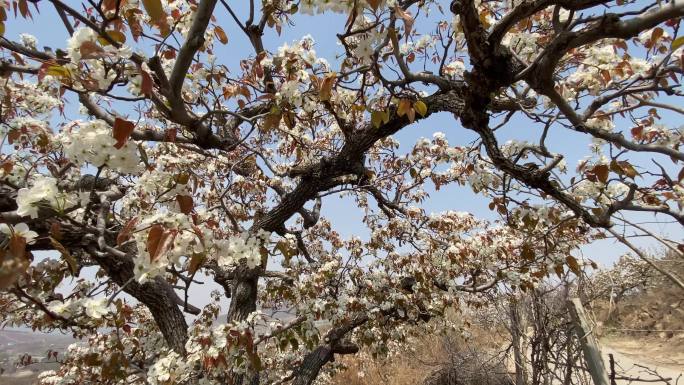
(50, 32)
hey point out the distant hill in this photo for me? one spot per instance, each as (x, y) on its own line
(14, 343)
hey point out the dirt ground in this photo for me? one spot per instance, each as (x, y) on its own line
(646, 358)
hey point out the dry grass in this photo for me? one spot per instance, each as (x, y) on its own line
(657, 312)
(406, 367)
(426, 356)
(660, 309)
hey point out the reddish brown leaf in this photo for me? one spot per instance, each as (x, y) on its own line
(559, 270)
(655, 35)
(195, 262)
(7, 166)
(56, 231)
(126, 231)
(109, 5)
(374, 4)
(155, 10)
(154, 239)
(159, 241)
(23, 9)
(573, 264)
(605, 74)
(11, 268)
(171, 134)
(326, 86)
(628, 169)
(527, 252)
(404, 107)
(121, 131)
(185, 202)
(90, 50)
(221, 35)
(13, 135)
(17, 246)
(407, 18)
(147, 83)
(68, 258)
(601, 171)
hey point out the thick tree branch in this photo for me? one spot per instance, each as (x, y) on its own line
(193, 42)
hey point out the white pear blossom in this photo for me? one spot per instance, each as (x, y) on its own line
(28, 40)
(96, 308)
(21, 230)
(44, 189)
(92, 142)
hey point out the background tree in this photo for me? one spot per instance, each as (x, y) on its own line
(182, 169)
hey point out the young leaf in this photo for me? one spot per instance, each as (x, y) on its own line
(676, 43)
(527, 252)
(68, 258)
(404, 107)
(57, 71)
(628, 169)
(185, 202)
(656, 34)
(411, 114)
(159, 241)
(573, 264)
(623, 168)
(221, 35)
(601, 171)
(326, 86)
(420, 107)
(407, 18)
(90, 50)
(196, 262)
(559, 270)
(147, 83)
(23, 9)
(287, 251)
(17, 246)
(121, 131)
(155, 10)
(153, 239)
(115, 35)
(376, 119)
(374, 4)
(385, 117)
(126, 231)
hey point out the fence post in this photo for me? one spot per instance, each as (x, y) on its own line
(587, 339)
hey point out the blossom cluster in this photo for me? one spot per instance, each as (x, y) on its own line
(92, 143)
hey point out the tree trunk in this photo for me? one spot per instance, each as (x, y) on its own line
(590, 347)
(156, 294)
(242, 304)
(312, 364)
(517, 330)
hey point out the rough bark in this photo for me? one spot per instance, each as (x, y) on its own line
(156, 294)
(517, 336)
